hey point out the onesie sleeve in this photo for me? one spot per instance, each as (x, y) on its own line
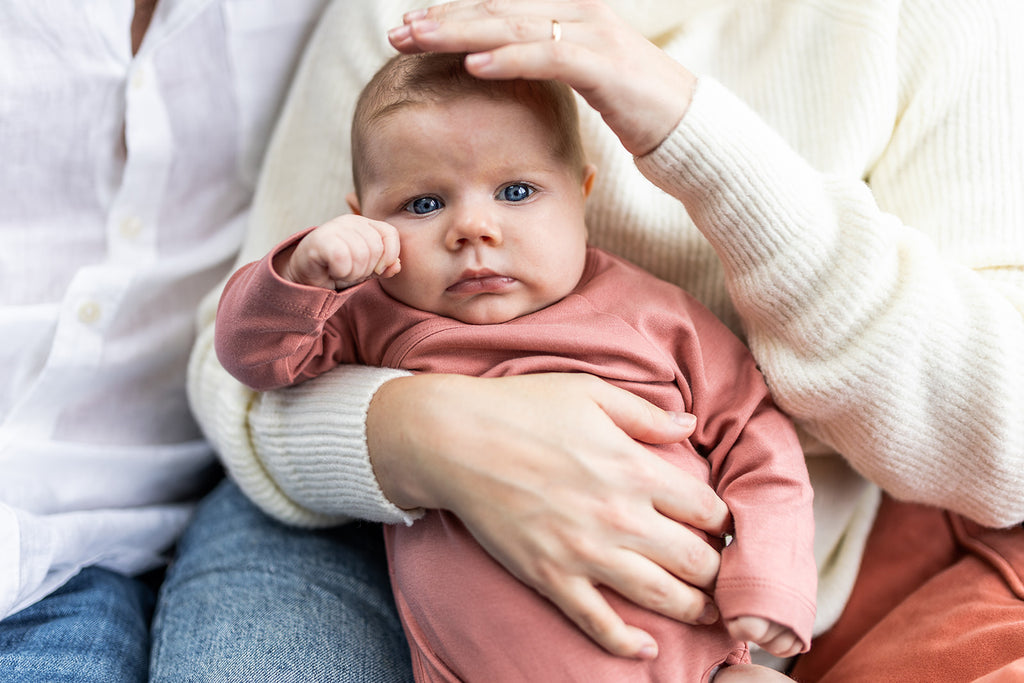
(768, 570)
(271, 333)
(757, 467)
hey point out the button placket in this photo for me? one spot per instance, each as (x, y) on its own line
(131, 228)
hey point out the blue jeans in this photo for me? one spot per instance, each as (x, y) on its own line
(249, 599)
(93, 628)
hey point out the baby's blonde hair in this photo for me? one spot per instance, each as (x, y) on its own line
(429, 78)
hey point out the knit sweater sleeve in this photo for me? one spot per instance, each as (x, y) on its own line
(300, 453)
(886, 312)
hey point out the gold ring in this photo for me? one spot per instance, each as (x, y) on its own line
(556, 30)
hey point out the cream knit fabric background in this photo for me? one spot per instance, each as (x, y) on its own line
(856, 169)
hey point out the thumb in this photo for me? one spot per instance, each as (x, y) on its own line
(385, 269)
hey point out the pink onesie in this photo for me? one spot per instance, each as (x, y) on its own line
(465, 616)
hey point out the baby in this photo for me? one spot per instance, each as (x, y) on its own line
(467, 252)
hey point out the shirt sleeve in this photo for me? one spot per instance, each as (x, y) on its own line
(886, 312)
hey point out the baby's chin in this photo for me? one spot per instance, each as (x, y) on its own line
(493, 312)
(487, 318)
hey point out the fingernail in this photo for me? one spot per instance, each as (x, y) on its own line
(424, 25)
(399, 34)
(709, 615)
(478, 60)
(683, 419)
(648, 651)
(414, 15)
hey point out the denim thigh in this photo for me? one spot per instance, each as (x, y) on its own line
(93, 628)
(250, 599)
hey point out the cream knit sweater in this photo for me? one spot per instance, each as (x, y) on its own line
(846, 191)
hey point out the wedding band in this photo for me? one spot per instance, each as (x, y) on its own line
(556, 30)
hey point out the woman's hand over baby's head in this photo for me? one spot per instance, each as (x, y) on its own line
(640, 91)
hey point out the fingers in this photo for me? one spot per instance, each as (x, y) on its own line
(751, 629)
(640, 91)
(515, 47)
(388, 264)
(676, 494)
(584, 605)
(516, 39)
(500, 22)
(638, 418)
(770, 636)
(475, 35)
(345, 251)
(637, 579)
(785, 644)
(682, 554)
(686, 499)
(645, 581)
(362, 249)
(468, 9)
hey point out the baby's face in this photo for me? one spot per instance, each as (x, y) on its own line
(491, 223)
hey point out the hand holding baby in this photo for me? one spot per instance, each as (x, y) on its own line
(342, 252)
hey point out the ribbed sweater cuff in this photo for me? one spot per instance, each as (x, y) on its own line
(312, 438)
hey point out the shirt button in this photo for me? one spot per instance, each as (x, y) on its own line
(138, 79)
(131, 227)
(89, 312)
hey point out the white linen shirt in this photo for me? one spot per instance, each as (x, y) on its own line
(125, 185)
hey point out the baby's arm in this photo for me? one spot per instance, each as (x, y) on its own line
(766, 584)
(341, 253)
(777, 639)
(274, 321)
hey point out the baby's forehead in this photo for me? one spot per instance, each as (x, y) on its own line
(430, 145)
(467, 121)
(433, 102)
(548, 108)
(461, 118)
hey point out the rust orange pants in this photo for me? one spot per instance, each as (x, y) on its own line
(938, 599)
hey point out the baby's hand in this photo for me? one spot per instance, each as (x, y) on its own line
(341, 253)
(775, 638)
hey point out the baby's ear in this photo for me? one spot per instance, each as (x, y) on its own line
(353, 203)
(589, 174)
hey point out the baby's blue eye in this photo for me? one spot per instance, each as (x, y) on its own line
(424, 205)
(516, 192)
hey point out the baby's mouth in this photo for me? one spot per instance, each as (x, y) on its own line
(479, 282)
